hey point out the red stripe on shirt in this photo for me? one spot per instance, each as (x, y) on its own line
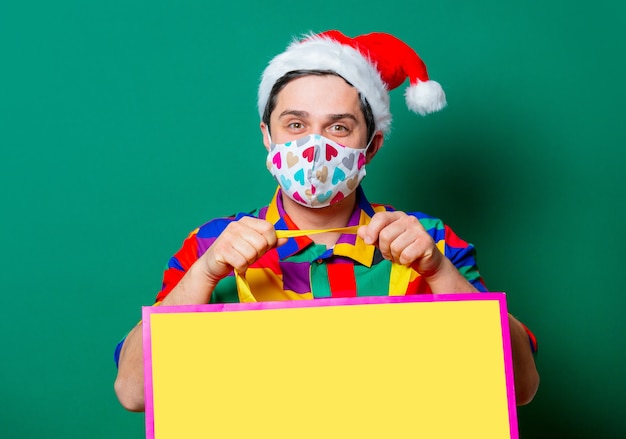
(453, 240)
(341, 280)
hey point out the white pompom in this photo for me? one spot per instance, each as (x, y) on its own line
(425, 97)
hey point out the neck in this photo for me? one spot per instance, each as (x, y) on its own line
(336, 215)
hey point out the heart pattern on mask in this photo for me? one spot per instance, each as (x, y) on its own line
(348, 162)
(322, 198)
(338, 175)
(308, 154)
(299, 176)
(337, 198)
(302, 141)
(285, 182)
(292, 159)
(353, 182)
(322, 174)
(361, 162)
(296, 196)
(277, 160)
(310, 192)
(315, 171)
(330, 152)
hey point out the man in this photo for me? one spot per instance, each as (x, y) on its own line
(325, 110)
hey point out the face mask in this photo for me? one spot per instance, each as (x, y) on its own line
(315, 171)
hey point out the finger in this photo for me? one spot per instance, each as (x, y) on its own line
(240, 244)
(407, 238)
(243, 253)
(411, 250)
(252, 239)
(395, 237)
(370, 232)
(236, 261)
(262, 227)
(403, 246)
(429, 260)
(402, 240)
(221, 258)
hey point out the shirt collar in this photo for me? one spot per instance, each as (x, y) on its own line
(348, 245)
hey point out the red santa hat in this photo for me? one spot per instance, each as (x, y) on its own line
(373, 63)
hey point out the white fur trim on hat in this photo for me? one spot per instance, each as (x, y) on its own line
(321, 53)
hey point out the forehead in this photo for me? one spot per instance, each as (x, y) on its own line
(327, 94)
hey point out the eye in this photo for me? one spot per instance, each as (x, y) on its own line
(296, 125)
(339, 128)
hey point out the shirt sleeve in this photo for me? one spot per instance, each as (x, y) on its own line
(194, 246)
(178, 265)
(461, 253)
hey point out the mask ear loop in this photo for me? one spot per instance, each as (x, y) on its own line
(367, 147)
(269, 136)
(370, 142)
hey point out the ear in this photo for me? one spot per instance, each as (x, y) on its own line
(377, 143)
(266, 138)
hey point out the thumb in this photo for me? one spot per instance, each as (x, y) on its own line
(363, 233)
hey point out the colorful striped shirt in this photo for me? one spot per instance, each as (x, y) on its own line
(301, 269)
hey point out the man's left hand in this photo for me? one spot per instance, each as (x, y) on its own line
(402, 239)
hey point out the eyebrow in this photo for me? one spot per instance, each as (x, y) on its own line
(305, 114)
(343, 116)
(296, 113)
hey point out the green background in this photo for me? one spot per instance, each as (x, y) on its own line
(126, 124)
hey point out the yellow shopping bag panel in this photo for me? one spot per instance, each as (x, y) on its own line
(427, 366)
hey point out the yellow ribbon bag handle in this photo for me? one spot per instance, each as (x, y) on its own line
(400, 274)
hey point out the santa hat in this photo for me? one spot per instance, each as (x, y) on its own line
(373, 63)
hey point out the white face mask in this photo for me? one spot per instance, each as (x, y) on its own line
(315, 171)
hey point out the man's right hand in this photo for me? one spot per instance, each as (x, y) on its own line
(240, 244)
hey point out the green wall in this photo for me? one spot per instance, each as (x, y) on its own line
(125, 124)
